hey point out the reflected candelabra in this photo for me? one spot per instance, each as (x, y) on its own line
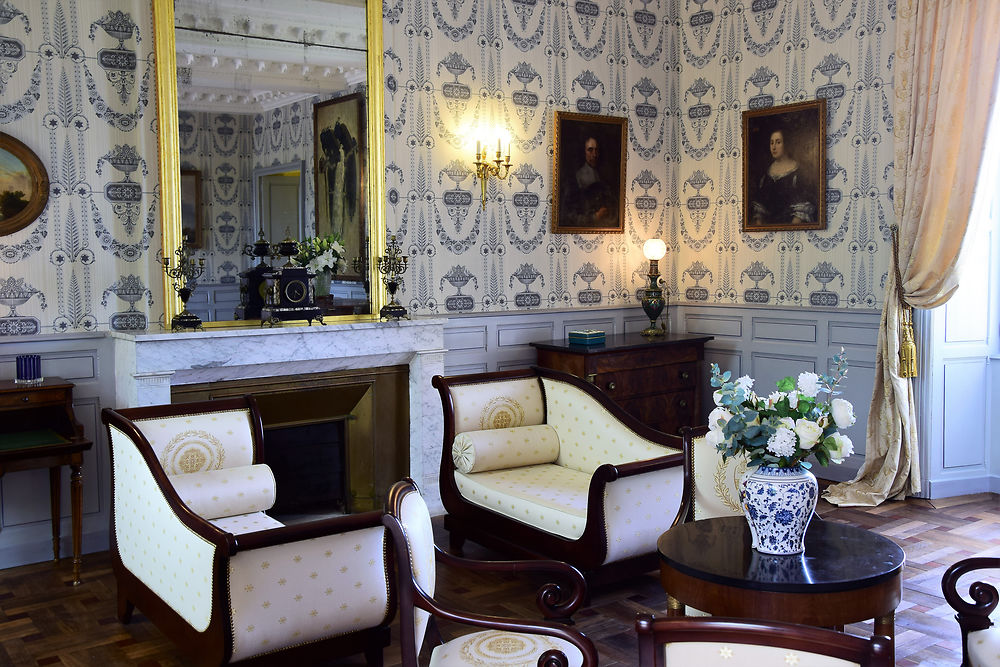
(360, 264)
(183, 276)
(392, 265)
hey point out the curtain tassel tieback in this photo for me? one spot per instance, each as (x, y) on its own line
(907, 344)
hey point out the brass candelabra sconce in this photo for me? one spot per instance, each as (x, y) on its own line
(392, 266)
(184, 274)
(499, 166)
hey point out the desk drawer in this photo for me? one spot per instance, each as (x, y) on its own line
(32, 397)
(665, 412)
(624, 384)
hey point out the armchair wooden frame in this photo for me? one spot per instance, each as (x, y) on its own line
(555, 601)
(214, 645)
(975, 615)
(655, 632)
(465, 520)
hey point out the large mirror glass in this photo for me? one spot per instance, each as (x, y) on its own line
(256, 87)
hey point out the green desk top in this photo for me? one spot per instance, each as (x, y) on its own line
(27, 439)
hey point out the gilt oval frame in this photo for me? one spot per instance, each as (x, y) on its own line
(39, 195)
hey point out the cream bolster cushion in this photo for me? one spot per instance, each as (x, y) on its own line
(228, 491)
(498, 448)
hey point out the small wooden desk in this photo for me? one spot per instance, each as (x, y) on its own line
(846, 574)
(40, 431)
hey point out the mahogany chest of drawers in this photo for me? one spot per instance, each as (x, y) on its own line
(658, 380)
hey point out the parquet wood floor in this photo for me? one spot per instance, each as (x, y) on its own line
(43, 621)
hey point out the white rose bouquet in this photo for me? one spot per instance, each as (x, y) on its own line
(786, 426)
(322, 254)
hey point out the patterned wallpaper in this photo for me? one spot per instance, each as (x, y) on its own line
(746, 55)
(77, 87)
(681, 72)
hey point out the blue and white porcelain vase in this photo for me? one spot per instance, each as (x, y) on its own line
(778, 503)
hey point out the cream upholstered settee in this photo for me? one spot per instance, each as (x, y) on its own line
(194, 550)
(539, 463)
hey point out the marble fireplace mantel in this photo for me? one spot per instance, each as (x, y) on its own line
(158, 361)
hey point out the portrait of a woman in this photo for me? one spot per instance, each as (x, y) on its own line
(783, 176)
(781, 192)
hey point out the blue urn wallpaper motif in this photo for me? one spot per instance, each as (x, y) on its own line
(76, 85)
(682, 72)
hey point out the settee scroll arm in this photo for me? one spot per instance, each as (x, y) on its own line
(975, 615)
(554, 600)
(688, 435)
(270, 537)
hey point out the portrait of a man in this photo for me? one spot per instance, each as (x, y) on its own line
(784, 157)
(589, 171)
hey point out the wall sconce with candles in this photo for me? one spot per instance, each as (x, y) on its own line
(485, 167)
(652, 296)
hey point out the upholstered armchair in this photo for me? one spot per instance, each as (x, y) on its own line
(540, 464)
(504, 642)
(193, 548)
(722, 642)
(980, 639)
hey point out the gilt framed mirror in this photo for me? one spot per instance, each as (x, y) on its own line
(224, 180)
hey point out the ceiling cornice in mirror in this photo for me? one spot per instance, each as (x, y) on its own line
(248, 56)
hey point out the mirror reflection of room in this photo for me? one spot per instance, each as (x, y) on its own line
(247, 89)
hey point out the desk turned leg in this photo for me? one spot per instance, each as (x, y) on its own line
(674, 606)
(76, 496)
(55, 488)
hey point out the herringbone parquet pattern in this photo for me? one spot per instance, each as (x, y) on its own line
(43, 621)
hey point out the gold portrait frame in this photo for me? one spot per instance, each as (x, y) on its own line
(598, 207)
(772, 203)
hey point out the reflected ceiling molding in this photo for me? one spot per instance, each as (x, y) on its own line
(268, 60)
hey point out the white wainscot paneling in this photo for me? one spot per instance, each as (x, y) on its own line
(784, 330)
(509, 335)
(965, 430)
(853, 334)
(769, 367)
(728, 360)
(713, 325)
(465, 338)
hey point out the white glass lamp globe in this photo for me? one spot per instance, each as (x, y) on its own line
(654, 249)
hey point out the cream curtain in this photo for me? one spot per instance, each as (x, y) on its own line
(947, 52)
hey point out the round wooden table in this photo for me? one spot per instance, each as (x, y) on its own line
(846, 574)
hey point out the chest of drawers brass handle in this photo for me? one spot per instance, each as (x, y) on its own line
(685, 375)
(25, 399)
(683, 403)
(611, 386)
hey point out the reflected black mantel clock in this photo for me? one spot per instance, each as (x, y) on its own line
(289, 294)
(290, 297)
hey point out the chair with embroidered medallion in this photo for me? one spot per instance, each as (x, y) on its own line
(194, 549)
